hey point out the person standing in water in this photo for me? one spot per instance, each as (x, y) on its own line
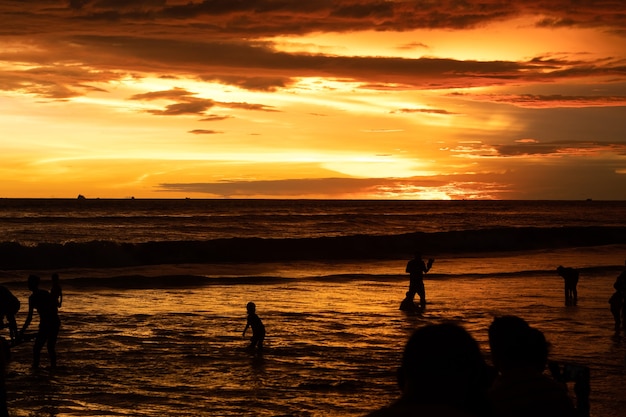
(258, 329)
(416, 268)
(49, 323)
(570, 278)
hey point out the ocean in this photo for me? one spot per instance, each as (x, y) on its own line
(155, 294)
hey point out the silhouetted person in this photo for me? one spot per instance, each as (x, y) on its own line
(570, 278)
(258, 329)
(56, 292)
(442, 374)
(416, 268)
(49, 323)
(620, 286)
(521, 389)
(617, 304)
(9, 306)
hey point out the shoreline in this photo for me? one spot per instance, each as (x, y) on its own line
(590, 261)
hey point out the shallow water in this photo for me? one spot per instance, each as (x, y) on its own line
(143, 339)
(332, 349)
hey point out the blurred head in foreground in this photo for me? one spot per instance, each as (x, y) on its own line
(515, 344)
(443, 373)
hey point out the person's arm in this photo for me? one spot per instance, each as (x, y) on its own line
(60, 297)
(429, 265)
(246, 328)
(29, 318)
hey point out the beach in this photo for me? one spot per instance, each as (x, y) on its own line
(334, 341)
(141, 337)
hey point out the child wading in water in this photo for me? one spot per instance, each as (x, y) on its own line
(258, 329)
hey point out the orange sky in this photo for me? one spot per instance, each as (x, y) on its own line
(320, 99)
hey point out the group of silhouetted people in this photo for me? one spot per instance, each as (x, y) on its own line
(46, 303)
(443, 373)
(417, 268)
(617, 301)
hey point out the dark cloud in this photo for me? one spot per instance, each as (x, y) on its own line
(554, 100)
(249, 106)
(372, 9)
(187, 103)
(257, 66)
(524, 179)
(413, 45)
(173, 94)
(432, 111)
(558, 180)
(54, 81)
(214, 118)
(252, 83)
(204, 132)
(532, 147)
(196, 106)
(152, 54)
(275, 17)
(299, 187)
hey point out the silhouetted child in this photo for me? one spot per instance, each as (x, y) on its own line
(258, 329)
(408, 304)
(617, 302)
(55, 291)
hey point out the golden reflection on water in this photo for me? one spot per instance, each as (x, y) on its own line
(181, 350)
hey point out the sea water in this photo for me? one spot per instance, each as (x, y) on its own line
(148, 338)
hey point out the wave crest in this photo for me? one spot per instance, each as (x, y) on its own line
(100, 254)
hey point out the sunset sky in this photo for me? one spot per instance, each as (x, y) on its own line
(430, 99)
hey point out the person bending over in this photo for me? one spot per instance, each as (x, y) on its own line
(49, 323)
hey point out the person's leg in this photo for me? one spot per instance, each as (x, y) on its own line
(40, 340)
(421, 291)
(410, 295)
(260, 344)
(52, 352)
(12, 326)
